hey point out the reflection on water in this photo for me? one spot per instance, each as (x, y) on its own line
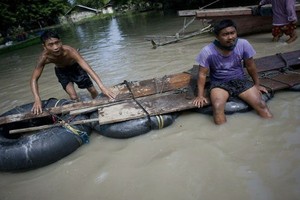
(247, 158)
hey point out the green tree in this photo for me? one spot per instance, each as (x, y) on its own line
(30, 14)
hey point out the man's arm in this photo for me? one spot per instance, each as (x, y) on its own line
(251, 69)
(291, 11)
(37, 106)
(201, 100)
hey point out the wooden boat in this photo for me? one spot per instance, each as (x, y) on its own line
(247, 18)
(135, 100)
(20, 45)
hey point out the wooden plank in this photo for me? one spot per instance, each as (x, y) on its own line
(278, 61)
(154, 105)
(55, 110)
(273, 62)
(139, 89)
(224, 12)
(272, 85)
(187, 13)
(290, 79)
(229, 11)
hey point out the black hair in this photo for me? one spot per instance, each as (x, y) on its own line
(223, 24)
(47, 35)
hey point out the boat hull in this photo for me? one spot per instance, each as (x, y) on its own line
(248, 20)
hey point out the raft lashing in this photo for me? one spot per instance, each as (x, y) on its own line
(135, 127)
(40, 148)
(132, 128)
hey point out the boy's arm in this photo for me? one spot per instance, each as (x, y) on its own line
(37, 106)
(85, 66)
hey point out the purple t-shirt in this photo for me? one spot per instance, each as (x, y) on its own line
(225, 68)
(284, 11)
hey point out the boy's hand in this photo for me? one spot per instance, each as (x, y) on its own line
(109, 94)
(37, 108)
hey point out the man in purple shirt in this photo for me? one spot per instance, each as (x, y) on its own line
(224, 59)
(284, 18)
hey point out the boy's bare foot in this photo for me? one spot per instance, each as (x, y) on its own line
(292, 39)
(275, 39)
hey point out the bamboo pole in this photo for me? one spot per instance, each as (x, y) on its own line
(37, 128)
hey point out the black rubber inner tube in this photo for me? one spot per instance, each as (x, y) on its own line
(132, 128)
(39, 148)
(296, 87)
(233, 105)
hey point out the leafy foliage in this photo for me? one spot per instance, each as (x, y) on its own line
(92, 3)
(30, 14)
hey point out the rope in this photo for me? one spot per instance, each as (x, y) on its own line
(161, 89)
(138, 103)
(163, 84)
(160, 121)
(83, 135)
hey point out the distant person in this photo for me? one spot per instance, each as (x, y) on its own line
(70, 68)
(284, 18)
(224, 60)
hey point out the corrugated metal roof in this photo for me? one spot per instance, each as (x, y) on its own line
(82, 7)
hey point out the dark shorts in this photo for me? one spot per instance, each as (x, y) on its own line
(278, 31)
(233, 87)
(73, 74)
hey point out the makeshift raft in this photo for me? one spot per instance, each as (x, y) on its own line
(157, 99)
(170, 93)
(248, 18)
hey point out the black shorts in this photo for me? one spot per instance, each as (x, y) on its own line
(73, 74)
(233, 87)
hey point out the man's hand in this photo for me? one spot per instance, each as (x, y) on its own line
(37, 107)
(200, 101)
(262, 89)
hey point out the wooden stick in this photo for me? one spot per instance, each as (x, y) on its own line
(37, 128)
(84, 110)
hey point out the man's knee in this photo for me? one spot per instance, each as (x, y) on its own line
(218, 105)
